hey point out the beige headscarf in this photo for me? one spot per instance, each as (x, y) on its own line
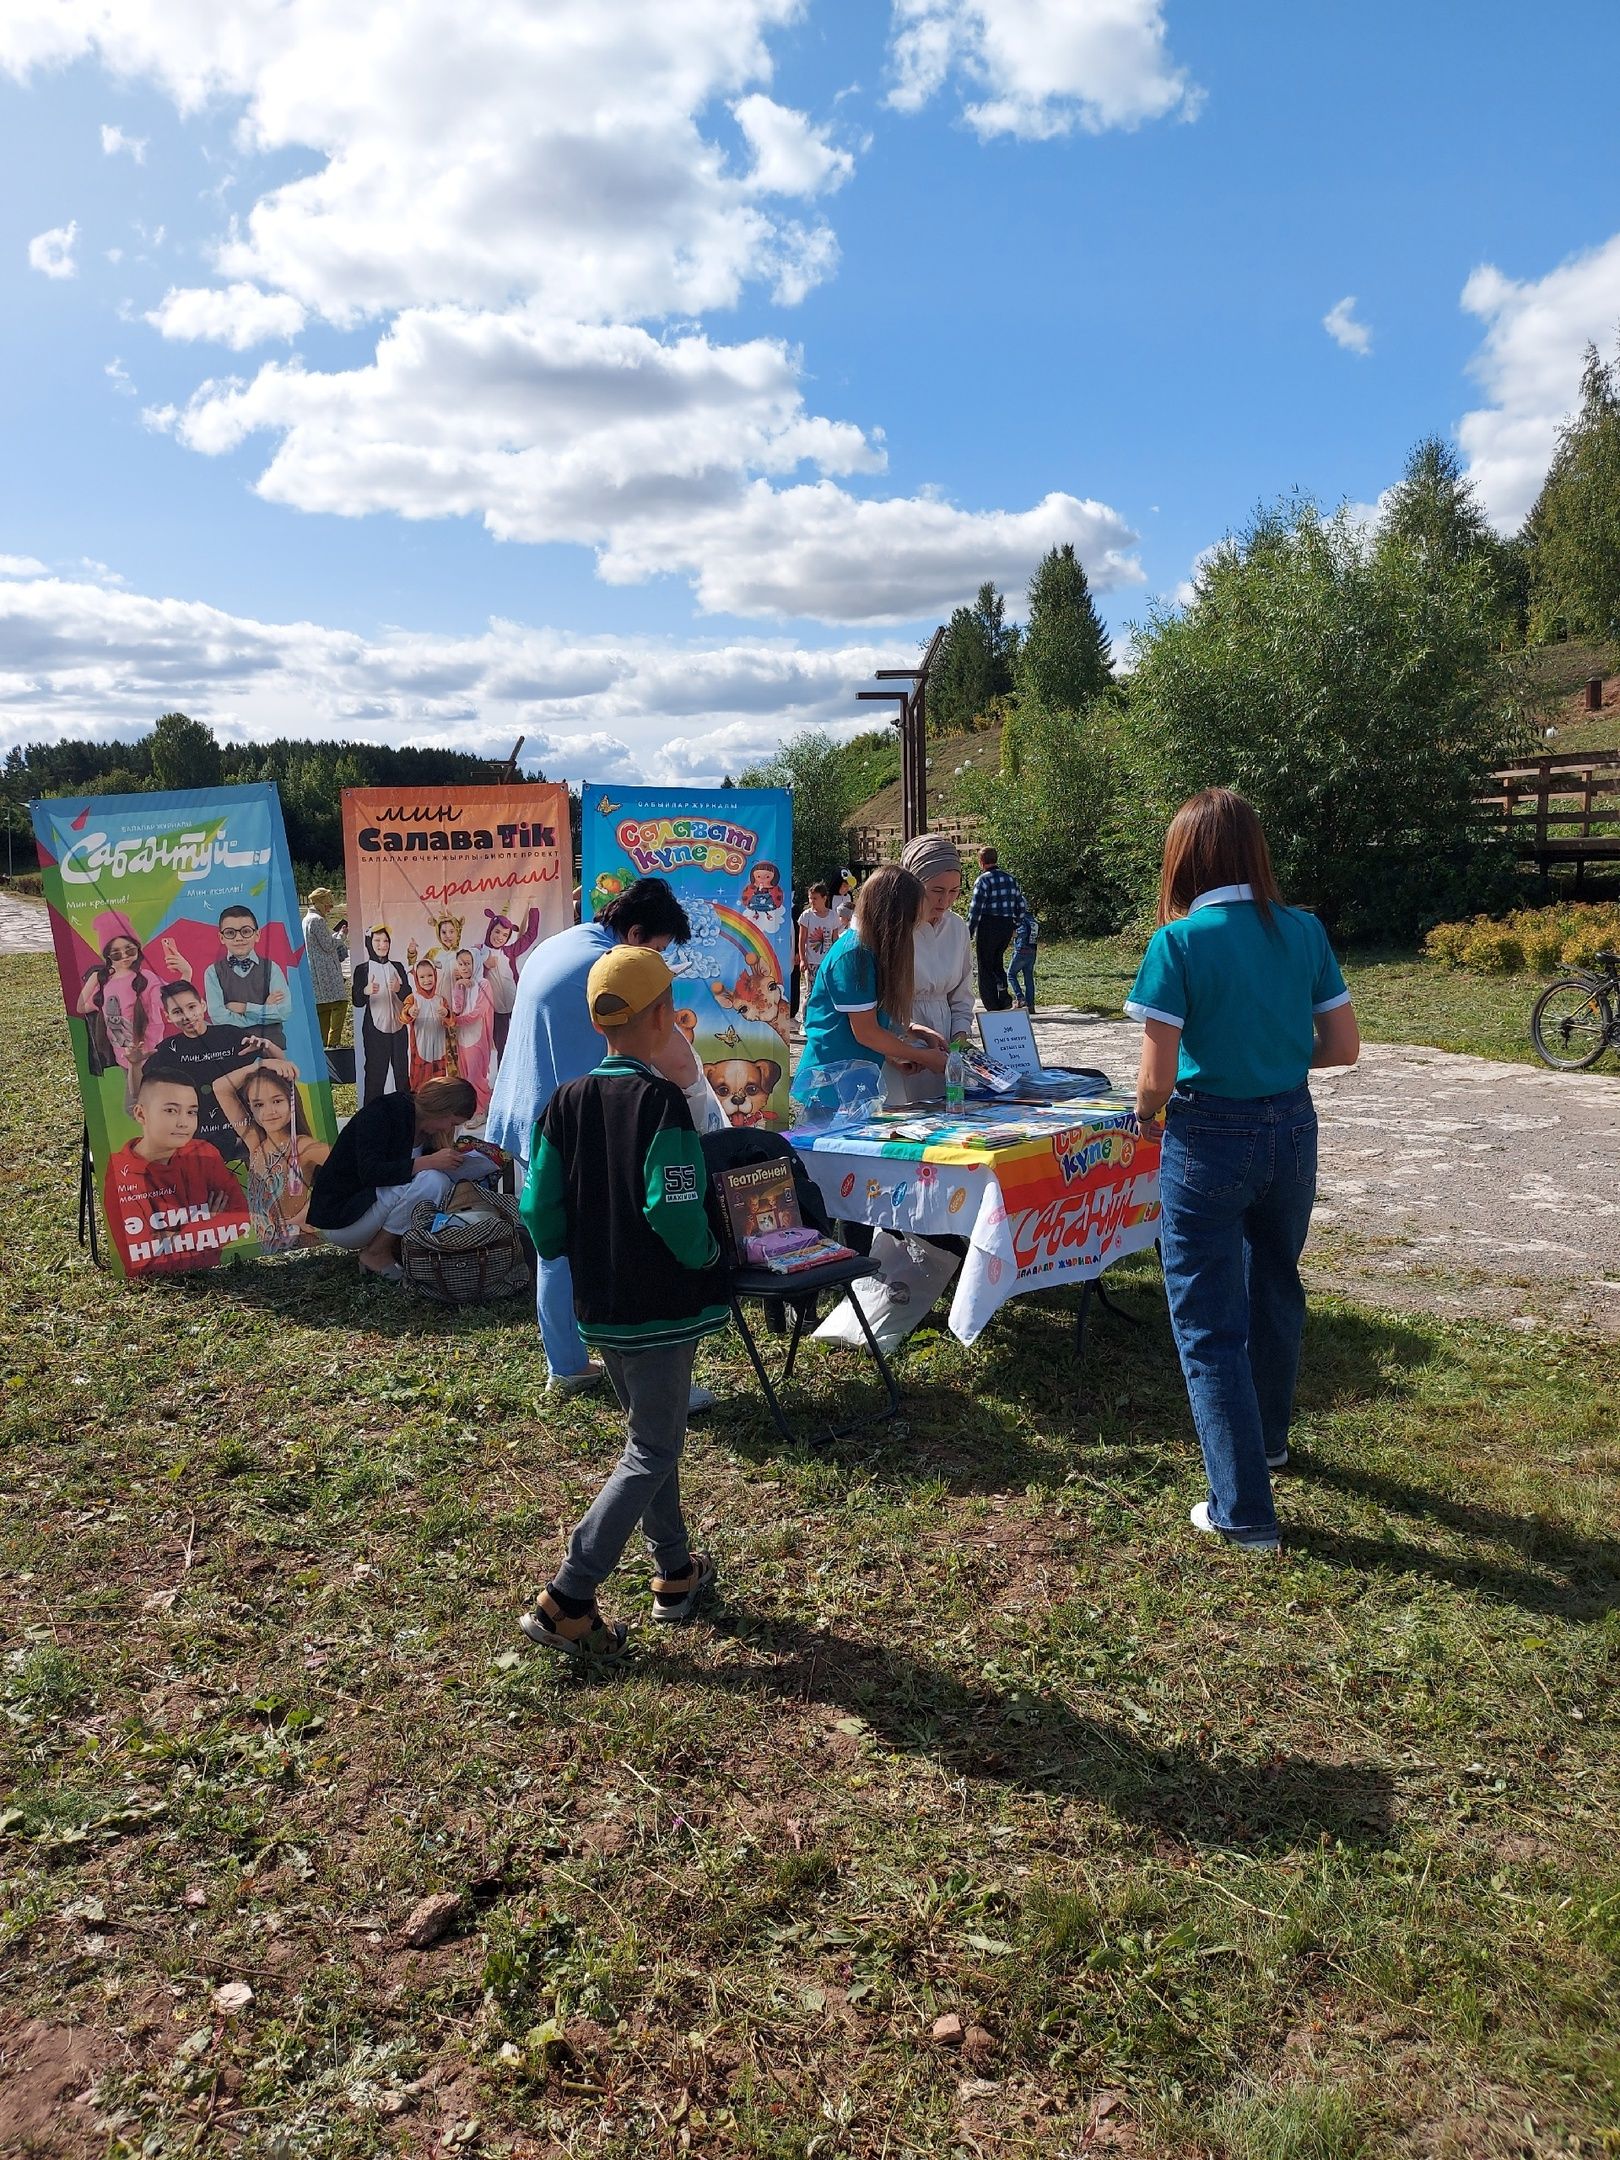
(931, 855)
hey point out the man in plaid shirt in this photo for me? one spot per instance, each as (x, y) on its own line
(992, 917)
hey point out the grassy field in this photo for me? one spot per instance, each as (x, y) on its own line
(1400, 997)
(1305, 1860)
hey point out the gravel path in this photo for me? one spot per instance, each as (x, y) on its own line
(24, 925)
(1448, 1184)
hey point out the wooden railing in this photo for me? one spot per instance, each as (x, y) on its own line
(1564, 807)
(870, 845)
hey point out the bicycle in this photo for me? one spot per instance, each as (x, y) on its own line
(1577, 1018)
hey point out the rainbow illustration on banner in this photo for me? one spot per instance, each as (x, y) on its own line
(739, 930)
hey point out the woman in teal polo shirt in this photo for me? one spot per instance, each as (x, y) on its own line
(859, 1007)
(1240, 997)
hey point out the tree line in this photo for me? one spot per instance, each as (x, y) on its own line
(180, 752)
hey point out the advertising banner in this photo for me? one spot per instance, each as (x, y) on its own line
(449, 890)
(193, 1025)
(728, 854)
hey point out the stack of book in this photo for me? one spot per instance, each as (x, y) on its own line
(761, 1225)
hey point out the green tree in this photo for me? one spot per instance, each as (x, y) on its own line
(1433, 508)
(1065, 660)
(963, 678)
(1000, 638)
(1055, 811)
(1351, 687)
(184, 753)
(825, 787)
(1573, 533)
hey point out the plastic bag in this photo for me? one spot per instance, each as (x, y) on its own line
(828, 1097)
(898, 1299)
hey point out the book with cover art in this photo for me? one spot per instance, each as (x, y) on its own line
(755, 1200)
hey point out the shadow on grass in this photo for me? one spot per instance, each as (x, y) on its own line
(1036, 1743)
(1574, 1577)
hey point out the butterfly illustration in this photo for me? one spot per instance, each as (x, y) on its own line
(730, 1038)
(606, 808)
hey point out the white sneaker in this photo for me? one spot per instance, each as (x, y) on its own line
(1277, 1462)
(576, 1383)
(700, 1399)
(1199, 1518)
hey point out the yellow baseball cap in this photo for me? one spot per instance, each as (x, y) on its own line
(624, 982)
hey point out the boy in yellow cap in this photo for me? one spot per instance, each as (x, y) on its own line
(617, 1182)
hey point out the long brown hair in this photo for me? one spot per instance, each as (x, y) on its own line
(886, 912)
(1215, 839)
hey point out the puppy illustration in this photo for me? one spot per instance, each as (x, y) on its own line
(744, 1086)
(757, 995)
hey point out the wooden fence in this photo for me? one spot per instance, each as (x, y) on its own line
(1564, 807)
(872, 845)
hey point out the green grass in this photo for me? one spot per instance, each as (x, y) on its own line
(1399, 995)
(1300, 1861)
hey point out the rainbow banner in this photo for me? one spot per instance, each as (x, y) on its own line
(728, 854)
(193, 1026)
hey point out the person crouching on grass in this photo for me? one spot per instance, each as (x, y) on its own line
(392, 1155)
(617, 1181)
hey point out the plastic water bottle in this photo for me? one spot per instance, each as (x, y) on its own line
(955, 1078)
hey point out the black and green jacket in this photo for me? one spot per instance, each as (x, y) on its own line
(617, 1183)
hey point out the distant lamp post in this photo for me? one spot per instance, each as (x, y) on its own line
(913, 725)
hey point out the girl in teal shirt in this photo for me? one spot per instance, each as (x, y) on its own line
(1239, 997)
(859, 1008)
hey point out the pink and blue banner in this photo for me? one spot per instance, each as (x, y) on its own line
(199, 1058)
(728, 854)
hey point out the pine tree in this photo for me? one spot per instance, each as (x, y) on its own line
(961, 682)
(1573, 533)
(1433, 506)
(1000, 637)
(1066, 658)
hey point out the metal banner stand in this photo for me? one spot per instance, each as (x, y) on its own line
(88, 1234)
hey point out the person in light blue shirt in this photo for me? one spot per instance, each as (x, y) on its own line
(1240, 997)
(552, 1041)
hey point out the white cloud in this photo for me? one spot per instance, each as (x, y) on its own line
(113, 139)
(118, 375)
(528, 195)
(52, 252)
(77, 658)
(791, 157)
(655, 453)
(1341, 326)
(21, 566)
(1529, 367)
(235, 315)
(1042, 67)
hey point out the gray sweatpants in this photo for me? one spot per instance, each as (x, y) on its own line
(644, 1486)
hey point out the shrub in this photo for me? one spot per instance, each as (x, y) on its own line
(1054, 811)
(1540, 939)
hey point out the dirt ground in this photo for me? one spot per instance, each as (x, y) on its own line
(1448, 1184)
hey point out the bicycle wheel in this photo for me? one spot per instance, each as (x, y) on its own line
(1573, 1023)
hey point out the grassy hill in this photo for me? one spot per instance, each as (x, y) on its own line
(1559, 673)
(946, 753)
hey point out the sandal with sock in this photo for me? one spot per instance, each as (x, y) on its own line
(677, 1597)
(552, 1626)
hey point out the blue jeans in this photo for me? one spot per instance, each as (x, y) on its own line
(1238, 1180)
(1021, 974)
(559, 1330)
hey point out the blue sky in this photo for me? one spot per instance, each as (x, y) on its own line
(725, 346)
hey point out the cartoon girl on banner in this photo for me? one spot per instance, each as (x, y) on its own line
(762, 897)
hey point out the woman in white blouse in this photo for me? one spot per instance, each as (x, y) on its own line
(942, 997)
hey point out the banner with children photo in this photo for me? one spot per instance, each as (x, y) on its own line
(449, 890)
(192, 1021)
(728, 854)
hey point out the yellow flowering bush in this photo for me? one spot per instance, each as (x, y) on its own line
(1541, 940)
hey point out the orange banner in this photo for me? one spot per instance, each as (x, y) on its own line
(450, 889)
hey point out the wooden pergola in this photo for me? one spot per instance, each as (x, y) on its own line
(913, 724)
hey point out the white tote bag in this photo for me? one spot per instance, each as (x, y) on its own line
(896, 1300)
